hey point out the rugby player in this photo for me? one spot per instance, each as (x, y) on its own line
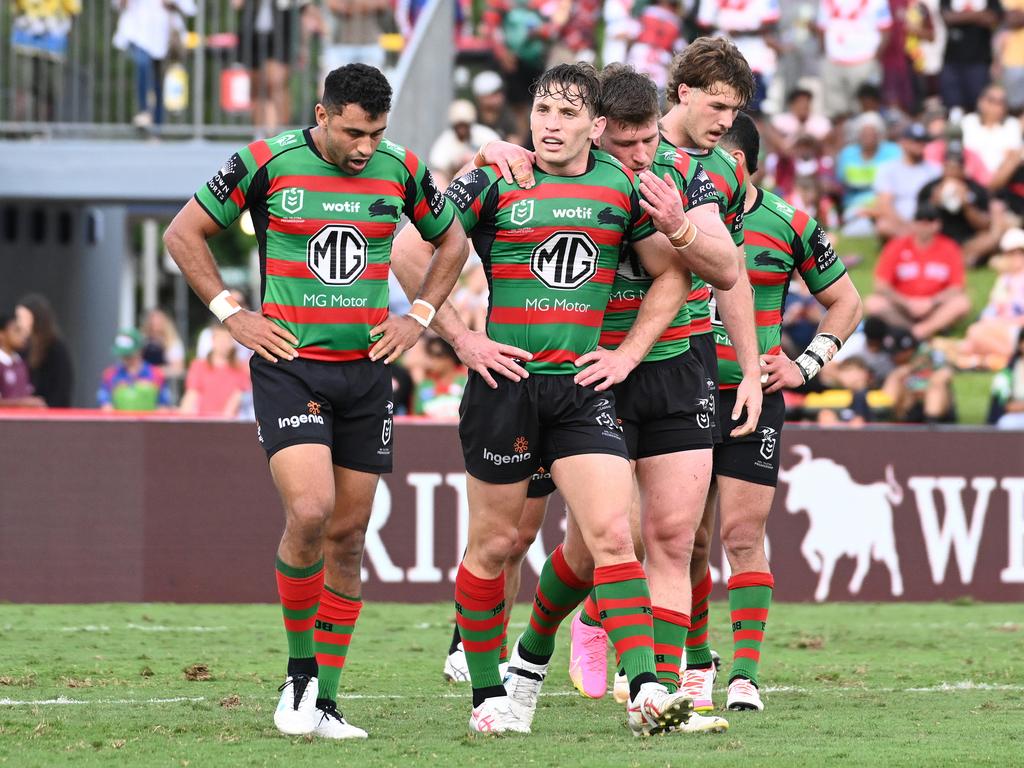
(517, 234)
(325, 202)
(779, 240)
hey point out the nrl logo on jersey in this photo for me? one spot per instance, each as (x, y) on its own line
(287, 140)
(781, 207)
(521, 212)
(291, 199)
(393, 147)
(670, 154)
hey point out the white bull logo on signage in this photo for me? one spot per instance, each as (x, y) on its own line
(848, 519)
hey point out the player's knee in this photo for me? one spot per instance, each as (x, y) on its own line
(611, 543)
(306, 521)
(495, 550)
(524, 540)
(742, 540)
(345, 547)
(701, 545)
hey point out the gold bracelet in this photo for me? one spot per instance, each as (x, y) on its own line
(681, 234)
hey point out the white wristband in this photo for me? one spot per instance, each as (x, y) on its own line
(421, 317)
(819, 352)
(224, 306)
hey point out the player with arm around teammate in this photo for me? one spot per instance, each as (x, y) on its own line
(779, 240)
(325, 202)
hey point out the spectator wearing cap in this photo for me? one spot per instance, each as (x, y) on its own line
(856, 168)
(991, 133)
(492, 111)
(900, 181)
(459, 142)
(963, 206)
(919, 279)
(968, 56)
(853, 32)
(990, 341)
(132, 384)
(921, 383)
(16, 389)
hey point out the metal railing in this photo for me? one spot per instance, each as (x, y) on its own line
(223, 67)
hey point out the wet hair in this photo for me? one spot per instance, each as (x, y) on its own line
(627, 96)
(706, 62)
(576, 83)
(44, 327)
(744, 136)
(358, 84)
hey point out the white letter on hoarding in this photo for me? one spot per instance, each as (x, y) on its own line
(374, 548)
(954, 532)
(424, 572)
(1013, 573)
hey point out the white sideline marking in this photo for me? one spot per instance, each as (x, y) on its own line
(963, 685)
(143, 628)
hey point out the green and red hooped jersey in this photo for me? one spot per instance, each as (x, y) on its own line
(780, 238)
(550, 253)
(731, 189)
(324, 236)
(632, 282)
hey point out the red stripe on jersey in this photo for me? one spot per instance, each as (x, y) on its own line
(623, 305)
(286, 268)
(700, 294)
(670, 334)
(767, 317)
(371, 229)
(332, 355)
(760, 277)
(341, 185)
(703, 325)
(412, 162)
(722, 185)
(516, 316)
(761, 240)
(326, 315)
(577, 194)
(807, 265)
(725, 353)
(555, 356)
(421, 210)
(522, 272)
(237, 197)
(799, 223)
(261, 153)
(537, 234)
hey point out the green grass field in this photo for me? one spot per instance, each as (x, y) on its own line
(853, 684)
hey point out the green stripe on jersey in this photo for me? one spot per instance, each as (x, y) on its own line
(325, 236)
(730, 191)
(779, 239)
(550, 254)
(631, 280)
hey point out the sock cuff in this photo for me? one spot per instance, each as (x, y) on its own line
(478, 593)
(671, 617)
(612, 574)
(702, 589)
(338, 609)
(751, 579)
(565, 574)
(299, 573)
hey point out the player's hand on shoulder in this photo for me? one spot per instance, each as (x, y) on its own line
(779, 372)
(749, 397)
(604, 367)
(262, 335)
(397, 334)
(660, 199)
(483, 354)
(514, 162)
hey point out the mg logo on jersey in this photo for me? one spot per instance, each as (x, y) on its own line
(565, 260)
(521, 212)
(769, 439)
(337, 254)
(291, 200)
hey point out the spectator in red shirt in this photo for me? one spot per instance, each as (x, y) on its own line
(15, 386)
(919, 279)
(215, 384)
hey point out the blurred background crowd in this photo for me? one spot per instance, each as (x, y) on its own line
(895, 123)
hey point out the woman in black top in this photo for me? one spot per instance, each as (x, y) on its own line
(47, 355)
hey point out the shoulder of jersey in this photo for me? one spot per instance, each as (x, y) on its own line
(603, 157)
(777, 206)
(283, 142)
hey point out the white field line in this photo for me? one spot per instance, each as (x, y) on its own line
(963, 685)
(142, 628)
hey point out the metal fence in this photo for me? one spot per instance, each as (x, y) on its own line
(102, 68)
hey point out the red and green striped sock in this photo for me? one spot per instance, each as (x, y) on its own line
(503, 653)
(750, 597)
(698, 647)
(625, 605)
(300, 590)
(591, 616)
(669, 638)
(480, 614)
(335, 622)
(559, 592)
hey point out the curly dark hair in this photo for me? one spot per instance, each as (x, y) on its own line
(743, 135)
(707, 61)
(357, 84)
(571, 82)
(627, 96)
